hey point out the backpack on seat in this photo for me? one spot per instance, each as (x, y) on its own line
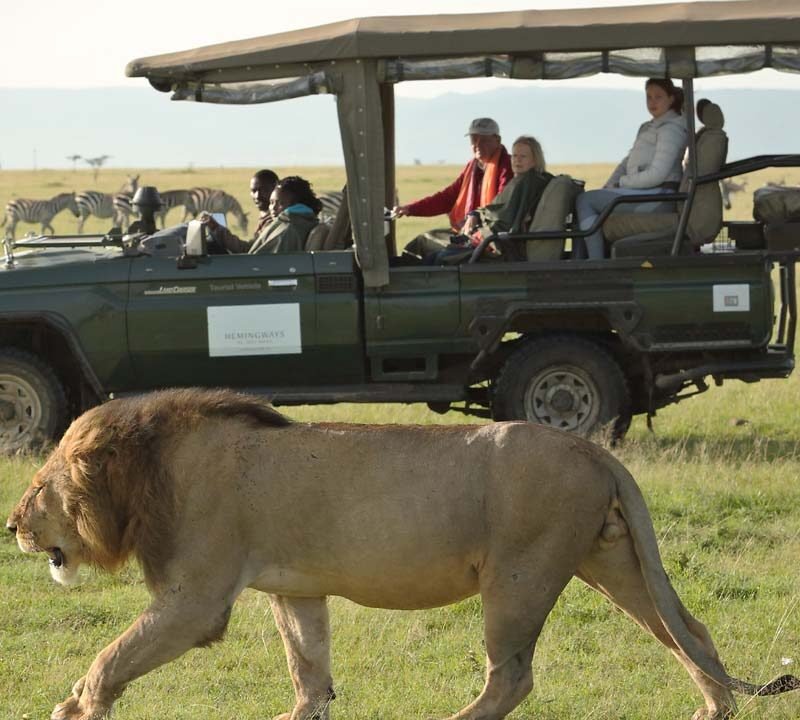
(778, 207)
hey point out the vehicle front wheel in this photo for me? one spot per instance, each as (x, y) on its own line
(33, 405)
(565, 382)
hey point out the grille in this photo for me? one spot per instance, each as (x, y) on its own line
(335, 283)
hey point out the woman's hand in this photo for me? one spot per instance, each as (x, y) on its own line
(470, 225)
(400, 210)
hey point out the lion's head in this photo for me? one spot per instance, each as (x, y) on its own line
(105, 493)
(42, 523)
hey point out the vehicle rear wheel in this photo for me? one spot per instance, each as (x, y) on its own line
(33, 405)
(565, 382)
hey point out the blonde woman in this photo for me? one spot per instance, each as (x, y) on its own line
(510, 211)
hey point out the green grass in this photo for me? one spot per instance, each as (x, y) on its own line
(726, 504)
(721, 474)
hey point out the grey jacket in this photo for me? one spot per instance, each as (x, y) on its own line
(656, 155)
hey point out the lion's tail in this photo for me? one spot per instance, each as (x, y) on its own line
(668, 605)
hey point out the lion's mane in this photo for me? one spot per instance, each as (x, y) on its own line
(119, 491)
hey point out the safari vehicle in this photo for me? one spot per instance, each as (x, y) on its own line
(573, 344)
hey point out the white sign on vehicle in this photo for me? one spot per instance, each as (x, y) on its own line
(254, 330)
(731, 298)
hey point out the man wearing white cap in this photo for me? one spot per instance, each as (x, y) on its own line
(479, 182)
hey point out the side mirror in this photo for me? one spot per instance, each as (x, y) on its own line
(196, 239)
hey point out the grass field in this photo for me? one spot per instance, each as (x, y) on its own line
(412, 182)
(721, 474)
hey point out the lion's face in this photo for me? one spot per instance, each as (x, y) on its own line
(42, 524)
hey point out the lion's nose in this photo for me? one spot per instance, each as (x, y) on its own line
(11, 527)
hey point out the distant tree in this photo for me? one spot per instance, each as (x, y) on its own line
(74, 159)
(97, 162)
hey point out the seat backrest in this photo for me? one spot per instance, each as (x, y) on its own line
(551, 213)
(705, 218)
(317, 237)
(340, 236)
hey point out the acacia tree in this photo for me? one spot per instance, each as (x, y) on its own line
(96, 163)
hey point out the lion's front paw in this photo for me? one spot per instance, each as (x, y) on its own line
(73, 709)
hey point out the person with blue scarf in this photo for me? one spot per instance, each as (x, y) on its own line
(295, 208)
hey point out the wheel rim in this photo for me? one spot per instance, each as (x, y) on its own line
(563, 397)
(20, 412)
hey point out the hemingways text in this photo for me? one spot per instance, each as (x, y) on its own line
(254, 330)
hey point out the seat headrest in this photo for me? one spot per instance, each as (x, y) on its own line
(710, 114)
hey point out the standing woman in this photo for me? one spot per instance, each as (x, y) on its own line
(652, 166)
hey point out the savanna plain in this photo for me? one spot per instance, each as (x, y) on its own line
(720, 472)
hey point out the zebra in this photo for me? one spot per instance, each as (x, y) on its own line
(205, 199)
(331, 202)
(37, 211)
(116, 206)
(176, 198)
(728, 188)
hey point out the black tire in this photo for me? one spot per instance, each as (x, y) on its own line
(33, 405)
(564, 382)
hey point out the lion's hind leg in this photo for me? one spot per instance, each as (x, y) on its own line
(517, 594)
(613, 569)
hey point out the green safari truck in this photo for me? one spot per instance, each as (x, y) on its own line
(577, 344)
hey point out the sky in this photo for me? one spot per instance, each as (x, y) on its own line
(87, 43)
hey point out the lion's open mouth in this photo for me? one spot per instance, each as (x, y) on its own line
(56, 557)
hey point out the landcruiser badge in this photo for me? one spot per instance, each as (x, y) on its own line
(173, 290)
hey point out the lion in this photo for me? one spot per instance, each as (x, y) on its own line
(213, 492)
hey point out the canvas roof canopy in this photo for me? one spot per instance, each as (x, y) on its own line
(359, 60)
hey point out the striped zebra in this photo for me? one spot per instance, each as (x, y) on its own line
(37, 211)
(331, 202)
(116, 206)
(173, 199)
(205, 199)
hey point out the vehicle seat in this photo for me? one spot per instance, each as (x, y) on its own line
(642, 234)
(340, 236)
(554, 207)
(317, 237)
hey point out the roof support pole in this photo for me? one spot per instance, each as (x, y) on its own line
(688, 111)
(358, 104)
(390, 181)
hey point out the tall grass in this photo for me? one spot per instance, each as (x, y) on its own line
(721, 474)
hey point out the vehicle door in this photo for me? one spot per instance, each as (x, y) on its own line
(411, 322)
(232, 320)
